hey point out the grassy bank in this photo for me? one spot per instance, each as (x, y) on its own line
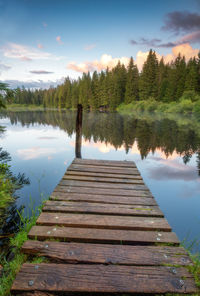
(23, 107)
(182, 107)
(12, 267)
(189, 103)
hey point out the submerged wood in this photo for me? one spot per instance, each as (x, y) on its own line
(79, 130)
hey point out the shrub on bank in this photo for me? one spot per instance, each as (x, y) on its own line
(188, 103)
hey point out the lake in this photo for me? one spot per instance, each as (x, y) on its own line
(166, 151)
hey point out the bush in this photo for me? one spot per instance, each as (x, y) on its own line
(162, 107)
(196, 108)
(140, 106)
(151, 105)
(185, 106)
(190, 95)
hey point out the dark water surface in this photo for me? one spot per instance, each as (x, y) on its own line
(166, 151)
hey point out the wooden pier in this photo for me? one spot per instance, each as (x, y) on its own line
(102, 232)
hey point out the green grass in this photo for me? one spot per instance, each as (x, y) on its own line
(11, 268)
(23, 107)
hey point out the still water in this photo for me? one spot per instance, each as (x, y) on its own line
(166, 151)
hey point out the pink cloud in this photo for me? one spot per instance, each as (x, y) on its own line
(58, 39)
(104, 62)
(107, 61)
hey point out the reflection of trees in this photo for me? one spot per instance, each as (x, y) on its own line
(166, 134)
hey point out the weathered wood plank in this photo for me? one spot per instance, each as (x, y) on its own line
(91, 235)
(102, 278)
(104, 191)
(126, 200)
(104, 175)
(101, 179)
(107, 254)
(103, 221)
(117, 163)
(98, 169)
(75, 183)
(96, 208)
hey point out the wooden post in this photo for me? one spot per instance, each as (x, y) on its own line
(79, 130)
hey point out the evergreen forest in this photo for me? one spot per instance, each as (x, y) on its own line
(158, 81)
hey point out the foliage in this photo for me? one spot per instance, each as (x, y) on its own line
(166, 83)
(6, 94)
(11, 267)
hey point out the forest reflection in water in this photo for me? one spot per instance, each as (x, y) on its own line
(168, 135)
(45, 140)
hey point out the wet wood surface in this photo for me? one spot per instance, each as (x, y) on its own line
(103, 233)
(96, 208)
(102, 198)
(98, 278)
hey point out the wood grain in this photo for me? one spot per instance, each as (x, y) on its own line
(94, 198)
(117, 163)
(107, 254)
(103, 221)
(103, 279)
(102, 179)
(104, 175)
(101, 191)
(103, 169)
(76, 183)
(91, 235)
(96, 208)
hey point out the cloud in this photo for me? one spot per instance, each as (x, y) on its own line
(189, 38)
(34, 84)
(181, 21)
(110, 62)
(144, 41)
(185, 50)
(58, 39)
(40, 45)
(192, 37)
(4, 67)
(40, 72)
(24, 53)
(90, 46)
(173, 170)
(37, 152)
(153, 43)
(104, 62)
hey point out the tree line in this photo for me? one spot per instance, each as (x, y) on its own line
(163, 82)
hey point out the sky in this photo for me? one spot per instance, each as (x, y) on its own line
(44, 41)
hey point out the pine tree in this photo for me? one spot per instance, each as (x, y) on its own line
(148, 85)
(191, 81)
(132, 84)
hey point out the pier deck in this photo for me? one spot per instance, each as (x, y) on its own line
(102, 232)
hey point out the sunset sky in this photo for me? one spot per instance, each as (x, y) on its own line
(43, 41)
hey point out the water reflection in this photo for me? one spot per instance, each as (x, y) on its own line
(168, 136)
(166, 151)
